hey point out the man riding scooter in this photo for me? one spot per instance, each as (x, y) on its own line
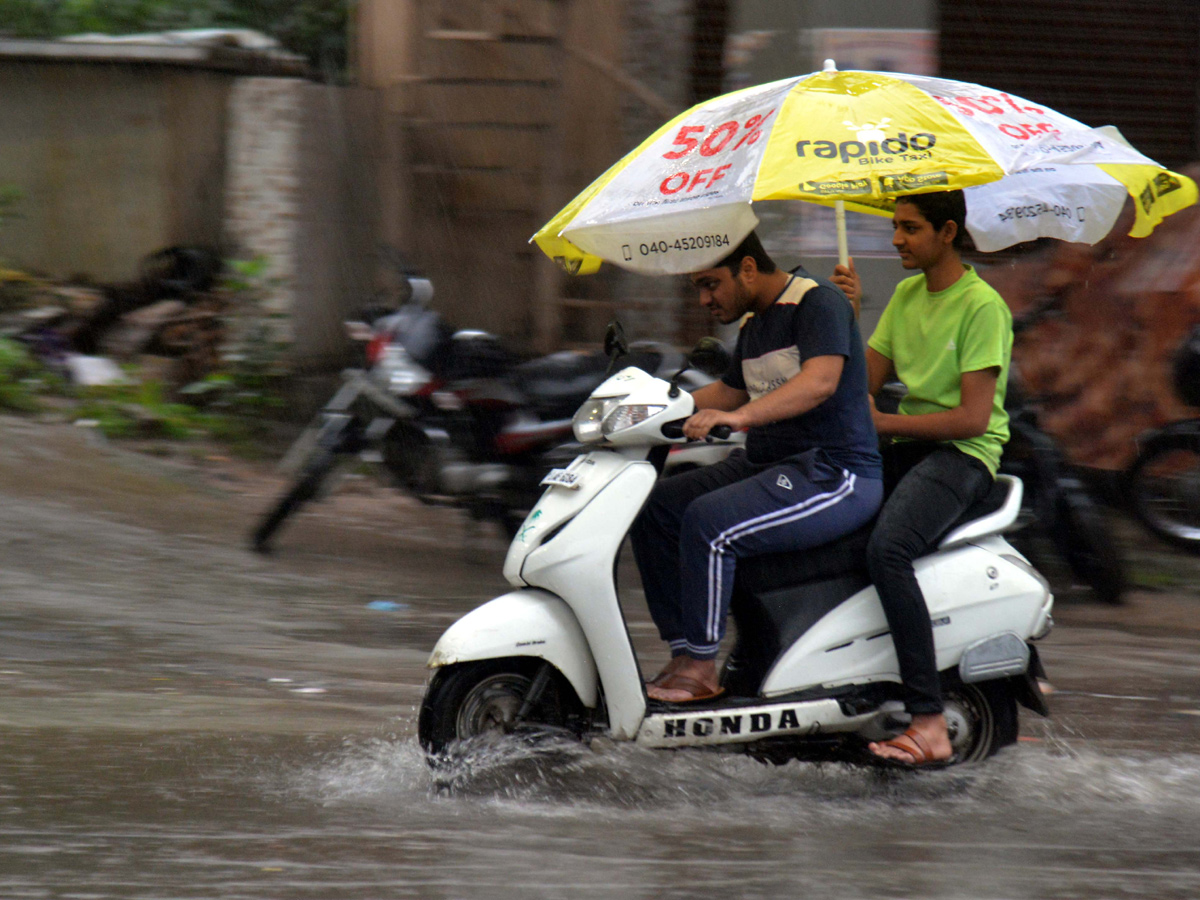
(810, 473)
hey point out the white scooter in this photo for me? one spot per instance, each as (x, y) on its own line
(813, 673)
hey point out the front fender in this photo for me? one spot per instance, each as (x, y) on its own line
(527, 622)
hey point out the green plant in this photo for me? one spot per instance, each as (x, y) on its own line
(314, 28)
(10, 195)
(252, 377)
(139, 410)
(23, 378)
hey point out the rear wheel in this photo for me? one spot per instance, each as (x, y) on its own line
(981, 717)
(1164, 486)
(481, 700)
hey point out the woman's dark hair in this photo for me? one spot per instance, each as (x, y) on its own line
(941, 207)
(750, 246)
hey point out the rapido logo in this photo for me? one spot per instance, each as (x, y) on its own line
(872, 145)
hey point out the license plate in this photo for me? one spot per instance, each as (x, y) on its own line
(563, 478)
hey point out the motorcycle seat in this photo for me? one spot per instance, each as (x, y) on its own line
(557, 384)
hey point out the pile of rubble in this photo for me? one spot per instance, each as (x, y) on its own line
(1105, 324)
(170, 322)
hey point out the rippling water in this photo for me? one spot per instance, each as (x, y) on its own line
(158, 685)
(275, 817)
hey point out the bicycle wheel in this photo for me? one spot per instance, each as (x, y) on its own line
(1164, 488)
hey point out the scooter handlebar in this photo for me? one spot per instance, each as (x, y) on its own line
(716, 433)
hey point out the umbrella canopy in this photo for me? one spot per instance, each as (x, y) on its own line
(684, 198)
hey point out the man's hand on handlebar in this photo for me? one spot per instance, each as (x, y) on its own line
(697, 428)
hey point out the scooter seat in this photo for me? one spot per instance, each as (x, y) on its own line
(990, 515)
(779, 596)
(848, 555)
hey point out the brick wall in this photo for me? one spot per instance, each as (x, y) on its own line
(262, 188)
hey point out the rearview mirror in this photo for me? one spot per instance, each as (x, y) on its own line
(615, 345)
(710, 357)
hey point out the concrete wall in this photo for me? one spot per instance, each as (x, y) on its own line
(112, 161)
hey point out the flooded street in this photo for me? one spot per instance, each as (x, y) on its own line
(184, 719)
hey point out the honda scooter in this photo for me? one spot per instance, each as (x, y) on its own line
(813, 673)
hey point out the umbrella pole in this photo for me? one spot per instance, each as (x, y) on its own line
(839, 207)
(843, 247)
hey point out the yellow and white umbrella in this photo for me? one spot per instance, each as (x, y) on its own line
(684, 199)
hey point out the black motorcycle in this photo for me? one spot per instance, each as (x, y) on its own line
(1058, 506)
(454, 417)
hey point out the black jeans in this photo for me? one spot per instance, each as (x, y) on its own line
(931, 486)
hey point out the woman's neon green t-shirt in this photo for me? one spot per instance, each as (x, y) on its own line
(933, 338)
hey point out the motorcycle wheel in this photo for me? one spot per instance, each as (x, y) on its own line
(1082, 537)
(479, 701)
(303, 489)
(982, 717)
(1164, 487)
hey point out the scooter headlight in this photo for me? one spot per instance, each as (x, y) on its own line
(627, 416)
(589, 420)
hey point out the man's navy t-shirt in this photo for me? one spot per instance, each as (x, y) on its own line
(809, 318)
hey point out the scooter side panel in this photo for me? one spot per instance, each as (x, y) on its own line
(523, 623)
(971, 592)
(578, 566)
(975, 593)
(557, 505)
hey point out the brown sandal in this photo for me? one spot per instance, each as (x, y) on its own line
(912, 743)
(698, 690)
(667, 671)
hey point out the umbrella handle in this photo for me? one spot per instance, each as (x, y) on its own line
(843, 247)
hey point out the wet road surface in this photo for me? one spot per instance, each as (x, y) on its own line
(182, 718)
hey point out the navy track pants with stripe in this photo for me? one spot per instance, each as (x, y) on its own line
(696, 525)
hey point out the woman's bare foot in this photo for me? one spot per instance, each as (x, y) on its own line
(926, 741)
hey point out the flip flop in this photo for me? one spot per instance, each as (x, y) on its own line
(666, 673)
(912, 743)
(699, 690)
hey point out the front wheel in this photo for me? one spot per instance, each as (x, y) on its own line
(1164, 488)
(485, 699)
(302, 490)
(981, 717)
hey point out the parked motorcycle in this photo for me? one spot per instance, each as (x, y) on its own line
(1059, 506)
(454, 417)
(1163, 484)
(813, 673)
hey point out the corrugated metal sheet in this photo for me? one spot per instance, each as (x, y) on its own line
(1130, 63)
(710, 25)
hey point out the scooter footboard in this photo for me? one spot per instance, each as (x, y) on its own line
(526, 622)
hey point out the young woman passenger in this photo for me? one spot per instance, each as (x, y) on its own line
(947, 335)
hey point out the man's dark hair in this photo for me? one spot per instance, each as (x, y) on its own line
(941, 207)
(750, 246)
